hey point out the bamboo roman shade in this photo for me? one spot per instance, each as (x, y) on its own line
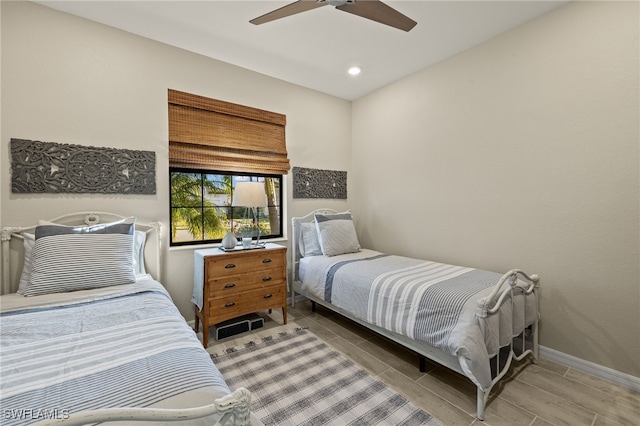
(206, 133)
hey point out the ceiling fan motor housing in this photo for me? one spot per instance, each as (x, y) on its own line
(337, 2)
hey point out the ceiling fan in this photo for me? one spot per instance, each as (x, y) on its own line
(370, 9)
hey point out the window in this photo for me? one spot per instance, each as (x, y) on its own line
(202, 208)
(213, 145)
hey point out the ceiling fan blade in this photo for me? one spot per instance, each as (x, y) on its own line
(379, 12)
(288, 10)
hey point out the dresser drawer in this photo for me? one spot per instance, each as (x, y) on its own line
(239, 264)
(256, 300)
(224, 286)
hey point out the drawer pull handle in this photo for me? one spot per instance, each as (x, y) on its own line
(230, 285)
(229, 266)
(229, 304)
(267, 278)
(268, 295)
(267, 260)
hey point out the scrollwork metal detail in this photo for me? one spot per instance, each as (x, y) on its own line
(5, 235)
(91, 219)
(50, 167)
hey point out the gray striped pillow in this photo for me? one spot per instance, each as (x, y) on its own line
(337, 234)
(80, 258)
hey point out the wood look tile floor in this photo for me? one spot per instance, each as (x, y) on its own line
(537, 395)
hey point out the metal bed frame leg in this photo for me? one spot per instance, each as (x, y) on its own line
(536, 349)
(481, 402)
(423, 364)
(292, 293)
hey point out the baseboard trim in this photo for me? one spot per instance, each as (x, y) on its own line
(609, 374)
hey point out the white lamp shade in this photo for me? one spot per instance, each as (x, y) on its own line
(249, 194)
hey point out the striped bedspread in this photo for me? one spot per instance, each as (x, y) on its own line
(113, 349)
(429, 302)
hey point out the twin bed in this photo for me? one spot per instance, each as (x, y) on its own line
(89, 331)
(472, 321)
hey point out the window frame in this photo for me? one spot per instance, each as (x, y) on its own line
(202, 173)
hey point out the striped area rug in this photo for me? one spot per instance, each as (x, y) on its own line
(296, 379)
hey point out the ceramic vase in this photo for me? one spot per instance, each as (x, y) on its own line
(229, 241)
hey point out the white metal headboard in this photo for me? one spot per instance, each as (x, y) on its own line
(12, 253)
(295, 231)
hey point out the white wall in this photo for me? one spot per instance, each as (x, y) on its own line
(522, 152)
(70, 80)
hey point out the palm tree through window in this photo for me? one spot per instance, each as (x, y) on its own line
(202, 211)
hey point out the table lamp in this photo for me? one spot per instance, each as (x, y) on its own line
(253, 196)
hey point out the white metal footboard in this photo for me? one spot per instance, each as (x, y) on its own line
(491, 304)
(233, 409)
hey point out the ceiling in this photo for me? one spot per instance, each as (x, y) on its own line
(314, 49)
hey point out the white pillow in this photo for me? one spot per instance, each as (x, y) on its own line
(139, 240)
(25, 277)
(78, 258)
(308, 242)
(337, 234)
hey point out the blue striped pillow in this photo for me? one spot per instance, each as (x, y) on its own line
(80, 258)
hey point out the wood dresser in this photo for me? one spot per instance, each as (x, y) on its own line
(237, 283)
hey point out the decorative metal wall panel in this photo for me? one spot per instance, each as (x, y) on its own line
(316, 183)
(49, 167)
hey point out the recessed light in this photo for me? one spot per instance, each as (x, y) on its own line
(354, 70)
